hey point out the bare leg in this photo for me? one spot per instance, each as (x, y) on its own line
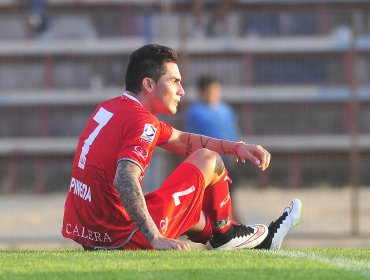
(199, 226)
(213, 170)
(209, 163)
(215, 227)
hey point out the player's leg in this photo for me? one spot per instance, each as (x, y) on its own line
(217, 207)
(176, 207)
(216, 203)
(233, 172)
(182, 194)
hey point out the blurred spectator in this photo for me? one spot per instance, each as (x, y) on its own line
(218, 21)
(37, 17)
(70, 26)
(212, 117)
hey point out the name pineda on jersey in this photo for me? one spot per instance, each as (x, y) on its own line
(80, 189)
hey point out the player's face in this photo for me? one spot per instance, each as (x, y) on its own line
(168, 91)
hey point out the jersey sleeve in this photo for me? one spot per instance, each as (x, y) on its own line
(139, 141)
(165, 132)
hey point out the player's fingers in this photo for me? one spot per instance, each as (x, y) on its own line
(176, 247)
(185, 247)
(253, 159)
(268, 159)
(259, 154)
(265, 157)
(175, 244)
(181, 246)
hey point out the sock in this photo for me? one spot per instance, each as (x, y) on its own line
(217, 204)
(204, 235)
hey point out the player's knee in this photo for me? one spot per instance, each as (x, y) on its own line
(209, 162)
(207, 156)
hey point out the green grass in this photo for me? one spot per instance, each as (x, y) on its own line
(241, 264)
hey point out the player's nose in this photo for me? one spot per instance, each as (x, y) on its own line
(181, 90)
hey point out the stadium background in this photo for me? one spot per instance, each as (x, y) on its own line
(297, 72)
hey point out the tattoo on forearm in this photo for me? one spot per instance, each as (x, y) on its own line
(132, 198)
(222, 148)
(201, 141)
(219, 166)
(188, 146)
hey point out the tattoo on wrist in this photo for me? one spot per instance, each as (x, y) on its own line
(188, 146)
(204, 145)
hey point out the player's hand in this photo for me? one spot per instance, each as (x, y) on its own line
(163, 243)
(258, 155)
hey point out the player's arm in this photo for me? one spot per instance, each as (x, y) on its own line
(126, 182)
(186, 143)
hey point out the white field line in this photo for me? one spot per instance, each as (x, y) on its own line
(362, 267)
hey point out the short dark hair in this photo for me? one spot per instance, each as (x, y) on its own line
(147, 61)
(205, 81)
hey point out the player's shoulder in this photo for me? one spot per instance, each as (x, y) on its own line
(125, 106)
(133, 110)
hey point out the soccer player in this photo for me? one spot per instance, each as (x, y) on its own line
(105, 207)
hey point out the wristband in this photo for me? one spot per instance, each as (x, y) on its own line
(236, 153)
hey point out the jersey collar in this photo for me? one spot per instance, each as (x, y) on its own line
(129, 96)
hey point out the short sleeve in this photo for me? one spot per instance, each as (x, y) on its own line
(139, 141)
(165, 132)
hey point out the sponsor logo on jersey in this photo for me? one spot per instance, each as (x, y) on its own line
(163, 225)
(148, 133)
(141, 152)
(86, 233)
(226, 199)
(80, 189)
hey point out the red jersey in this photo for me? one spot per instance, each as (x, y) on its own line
(119, 129)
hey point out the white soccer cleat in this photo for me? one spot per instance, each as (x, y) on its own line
(279, 228)
(238, 237)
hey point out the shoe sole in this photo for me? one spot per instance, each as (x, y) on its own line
(299, 214)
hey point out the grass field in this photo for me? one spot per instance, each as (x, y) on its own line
(242, 264)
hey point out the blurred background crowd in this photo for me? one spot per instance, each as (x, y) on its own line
(295, 72)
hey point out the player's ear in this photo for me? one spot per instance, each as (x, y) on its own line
(147, 84)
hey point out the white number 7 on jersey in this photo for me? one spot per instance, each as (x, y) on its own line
(176, 195)
(102, 117)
